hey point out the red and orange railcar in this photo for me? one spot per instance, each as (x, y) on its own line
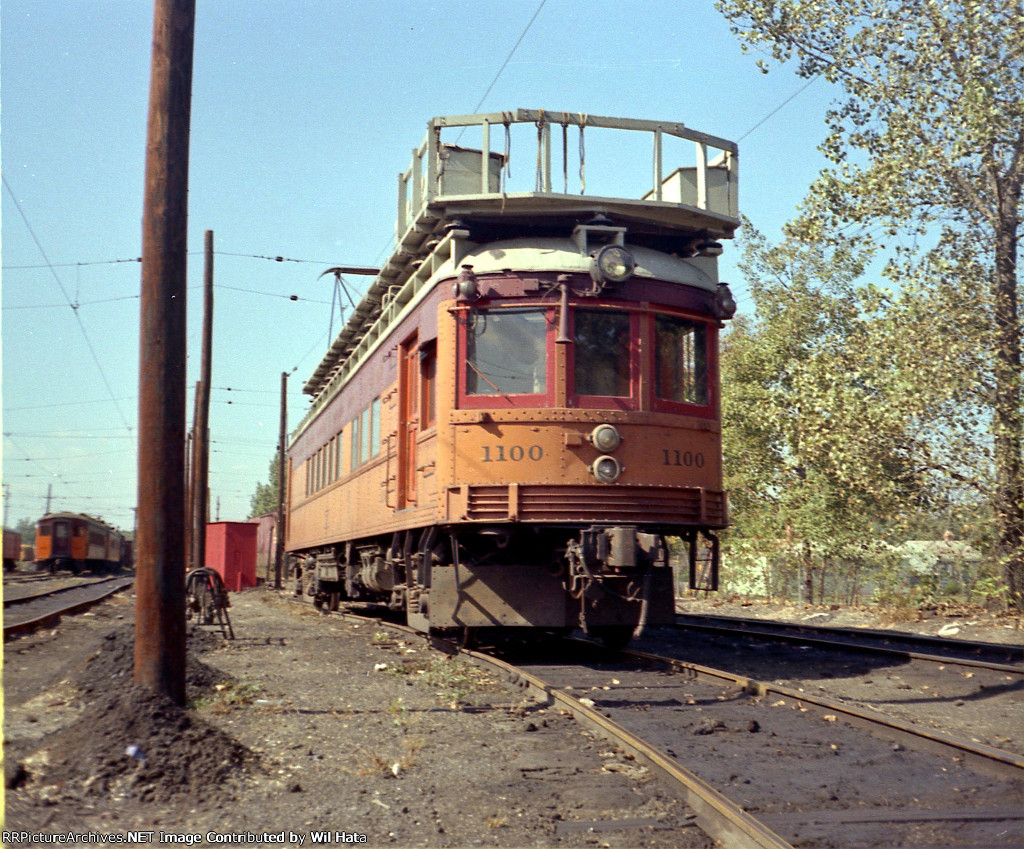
(524, 407)
(77, 542)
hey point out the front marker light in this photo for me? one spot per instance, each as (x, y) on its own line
(606, 469)
(725, 304)
(605, 437)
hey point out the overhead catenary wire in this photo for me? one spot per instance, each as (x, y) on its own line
(504, 65)
(72, 305)
(795, 94)
(511, 53)
(73, 264)
(81, 263)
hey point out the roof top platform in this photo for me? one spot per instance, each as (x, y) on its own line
(475, 185)
(456, 194)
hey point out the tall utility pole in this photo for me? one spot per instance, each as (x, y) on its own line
(282, 438)
(201, 443)
(160, 570)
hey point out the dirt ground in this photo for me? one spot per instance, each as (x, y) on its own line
(310, 727)
(319, 728)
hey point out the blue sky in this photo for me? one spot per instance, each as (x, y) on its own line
(303, 114)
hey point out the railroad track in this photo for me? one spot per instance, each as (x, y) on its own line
(995, 656)
(38, 610)
(976, 698)
(802, 766)
(25, 592)
(761, 765)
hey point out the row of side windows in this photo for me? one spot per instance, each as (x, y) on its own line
(324, 467)
(365, 438)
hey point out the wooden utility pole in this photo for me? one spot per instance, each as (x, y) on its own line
(281, 445)
(160, 571)
(201, 443)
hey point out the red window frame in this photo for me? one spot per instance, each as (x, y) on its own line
(604, 402)
(665, 405)
(466, 401)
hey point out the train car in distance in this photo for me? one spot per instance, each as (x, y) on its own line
(524, 406)
(12, 549)
(77, 542)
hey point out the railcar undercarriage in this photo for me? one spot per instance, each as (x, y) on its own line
(611, 581)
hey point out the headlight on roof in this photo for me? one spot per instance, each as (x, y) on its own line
(612, 264)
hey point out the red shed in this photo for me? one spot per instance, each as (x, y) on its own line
(231, 552)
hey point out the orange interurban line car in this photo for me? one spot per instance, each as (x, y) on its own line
(524, 408)
(78, 542)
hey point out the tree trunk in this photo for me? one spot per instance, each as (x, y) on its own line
(1007, 423)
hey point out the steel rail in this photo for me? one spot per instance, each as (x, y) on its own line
(754, 630)
(989, 758)
(720, 818)
(717, 816)
(48, 618)
(838, 645)
(11, 602)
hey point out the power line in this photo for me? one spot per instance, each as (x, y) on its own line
(511, 53)
(72, 264)
(273, 258)
(67, 404)
(271, 294)
(139, 259)
(777, 108)
(74, 307)
(497, 76)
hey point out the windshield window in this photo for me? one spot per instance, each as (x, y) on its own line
(601, 352)
(681, 360)
(506, 352)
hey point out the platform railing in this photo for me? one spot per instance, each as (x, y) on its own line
(709, 184)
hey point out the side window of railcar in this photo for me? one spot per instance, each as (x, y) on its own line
(354, 445)
(681, 360)
(506, 352)
(601, 349)
(428, 386)
(375, 427)
(365, 431)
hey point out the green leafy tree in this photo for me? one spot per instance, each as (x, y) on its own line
(821, 463)
(927, 142)
(27, 529)
(264, 500)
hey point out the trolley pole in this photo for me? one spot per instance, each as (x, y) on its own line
(201, 445)
(282, 438)
(160, 575)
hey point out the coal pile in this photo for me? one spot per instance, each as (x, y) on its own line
(132, 743)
